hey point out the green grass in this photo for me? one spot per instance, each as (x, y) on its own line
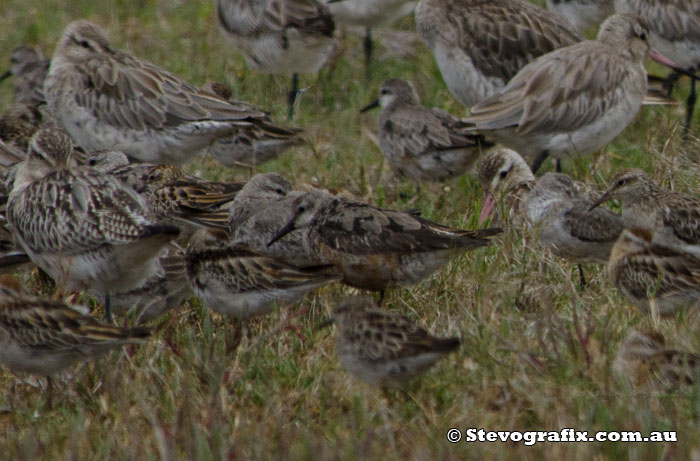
(282, 393)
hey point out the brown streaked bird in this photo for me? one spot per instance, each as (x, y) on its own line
(506, 179)
(674, 218)
(188, 200)
(675, 32)
(644, 359)
(106, 98)
(83, 228)
(250, 147)
(575, 100)
(46, 337)
(480, 45)
(375, 248)
(17, 125)
(385, 349)
(234, 280)
(29, 68)
(280, 36)
(582, 14)
(657, 279)
(422, 144)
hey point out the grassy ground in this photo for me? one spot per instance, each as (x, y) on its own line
(537, 348)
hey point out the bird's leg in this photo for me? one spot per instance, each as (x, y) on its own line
(670, 82)
(108, 309)
(233, 341)
(539, 160)
(381, 298)
(689, 107)
(368, 53)
(558, 165)
(292, 95)
(582, 278)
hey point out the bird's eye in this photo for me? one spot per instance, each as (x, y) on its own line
(643, 36)
(92, 162)
(504, 173)
(84, 44)
(384, 92)
(279, 191)
(302, 209)
(621, 182)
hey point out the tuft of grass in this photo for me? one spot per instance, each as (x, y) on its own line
(537, 348)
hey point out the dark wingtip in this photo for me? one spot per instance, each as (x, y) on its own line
(162, 229)
(447, 344)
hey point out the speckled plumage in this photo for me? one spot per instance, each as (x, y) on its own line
(423, 144)
(480, 45)
(572, 101)
(644, 360)
(29, 68)
(674, 218)
(376, 248)
(279, 36)
(106, 98)
(656, 278)
(383, 348)
(47, 337)
(232, 279)
(81, 227)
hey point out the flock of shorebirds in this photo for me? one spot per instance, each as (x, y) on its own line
(93, 194)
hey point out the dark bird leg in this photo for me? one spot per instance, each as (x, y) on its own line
(368, 53)
(558, 166)
(108, 309)
(292, 96)
(582, 278)
(689, 107)
(670, 82)
(539, 161)
(381, 298)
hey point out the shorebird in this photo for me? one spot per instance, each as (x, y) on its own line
(46, 337)
(188, 200)
(422, 144)
(383, 348)
(657, 279)
(507, 179)
(117, 164)
(674, 27)
(479, 45)
(166, 289)
(280, 36)
(83, 228)
(17, 125)
(369, 14)
(565, 223)
(375, 248)
(264, 204)
(582, 14)
(251, 147)
(29, 68)
(106, 98)
(674, 218)
(234, 280)
(575, 100)
(644, 359)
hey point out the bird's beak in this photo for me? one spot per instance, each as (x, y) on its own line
(487, 208)
(661, 59)
(289, 227)
(5, 75)
(370, 106)
(603, 198)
